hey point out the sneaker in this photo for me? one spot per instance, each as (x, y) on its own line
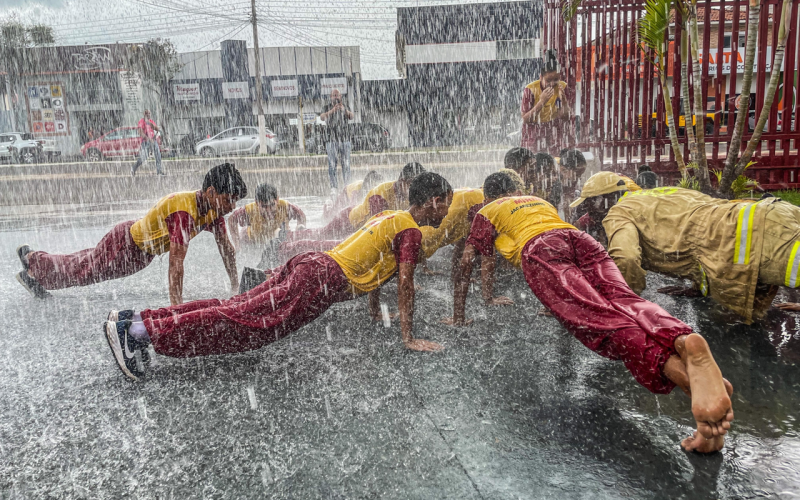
(127, 352)
(124, 315)
(32, 286)
(22, 252)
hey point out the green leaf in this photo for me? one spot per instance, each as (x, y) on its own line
(654, 24)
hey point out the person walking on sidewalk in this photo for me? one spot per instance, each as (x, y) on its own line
(147, 131)
(338, 146)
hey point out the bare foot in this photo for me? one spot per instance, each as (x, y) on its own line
(711, 405)
(788, 306)
(697, 443)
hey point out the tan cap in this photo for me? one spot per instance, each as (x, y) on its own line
(599, 184)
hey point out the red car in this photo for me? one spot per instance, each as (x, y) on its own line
(122, 141)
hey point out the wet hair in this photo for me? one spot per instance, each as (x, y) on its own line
(498, 184)
(225, 179)
(514, 177)
(428, 185)
(517, 159)
(573, 159)
(644, 167)
(372, 179)
(411, 171)
(266, 193)
(545, 161)
(647, 179)
(550, 62)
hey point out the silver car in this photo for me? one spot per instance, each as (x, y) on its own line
(20, 147)
(235, 141)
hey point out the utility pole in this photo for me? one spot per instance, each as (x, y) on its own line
(262, 127)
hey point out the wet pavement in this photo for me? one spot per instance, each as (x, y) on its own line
(513, 408)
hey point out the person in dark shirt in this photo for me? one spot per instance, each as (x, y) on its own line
(338, 146)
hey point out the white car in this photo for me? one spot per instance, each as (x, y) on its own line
(235, 141)
(20, 147)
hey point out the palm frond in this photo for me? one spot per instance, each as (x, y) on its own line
(569, 8)
(654, 25)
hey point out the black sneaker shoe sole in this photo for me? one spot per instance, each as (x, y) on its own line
(110, 330)
(123, 315)
(28, 283)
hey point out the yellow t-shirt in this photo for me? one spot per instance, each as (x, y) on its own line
(263, 228)
(367, 257)
(353, 188)
(549, 109)
(516, 220)
(455, 225)
(150, 233)
(361, 213)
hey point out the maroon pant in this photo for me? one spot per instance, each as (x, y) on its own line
(338, 228)
(574, 277)
(296, 294)
(289, 249)
(116, 256)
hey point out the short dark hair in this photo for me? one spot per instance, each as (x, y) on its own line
(225, 179)
(266, 193)
(644, 167)
(428, 185)
(372, 179)
(647, 180)
(411, 171)
(573, 159)
(498, 184)
(550, 62)
(517, 158)
(545, 160)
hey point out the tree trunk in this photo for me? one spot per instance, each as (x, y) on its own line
(729, 173)
(774, 80)
(701, 172)
(685, 91)
(673, 135)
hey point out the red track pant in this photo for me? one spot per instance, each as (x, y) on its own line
(116, 256)
(574, 277)
(296, 294)
(338, 228)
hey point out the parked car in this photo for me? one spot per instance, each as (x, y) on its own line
(235, 141)
(118, 143)
(365, 137)
(20, 147)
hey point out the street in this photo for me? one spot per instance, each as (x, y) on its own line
(513, 408)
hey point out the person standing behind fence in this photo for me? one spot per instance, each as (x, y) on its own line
(546, 114)
(147, 131)
(338, 146)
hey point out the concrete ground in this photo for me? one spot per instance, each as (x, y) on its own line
(513, 408)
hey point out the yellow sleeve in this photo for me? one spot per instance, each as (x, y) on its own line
(624, 248)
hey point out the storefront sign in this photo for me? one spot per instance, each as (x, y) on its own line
(235, 90)
(47, 112)
(328, 85)
(284, 88)
(186, 91)
(131, 85)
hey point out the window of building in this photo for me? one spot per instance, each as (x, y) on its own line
(726, 41)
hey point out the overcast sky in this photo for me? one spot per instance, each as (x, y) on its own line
(202, 24)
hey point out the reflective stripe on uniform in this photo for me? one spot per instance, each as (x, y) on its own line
(703, 281)
(744, 234)
(792, 265)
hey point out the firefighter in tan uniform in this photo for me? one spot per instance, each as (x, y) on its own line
(737, 252)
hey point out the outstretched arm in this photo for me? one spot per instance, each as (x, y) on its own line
(177, 254)
(624, 248)
(296, 213)
(405, 298)
(461, 289)
(487, 284)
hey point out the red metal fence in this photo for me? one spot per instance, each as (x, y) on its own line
(619, 103)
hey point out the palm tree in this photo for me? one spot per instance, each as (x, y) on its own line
(701, 172)
(769, 97)
(653, 27)
(729, 173)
